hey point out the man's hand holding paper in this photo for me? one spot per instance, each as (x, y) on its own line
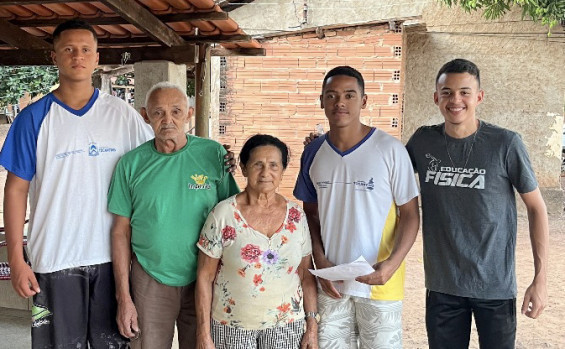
(348, 271)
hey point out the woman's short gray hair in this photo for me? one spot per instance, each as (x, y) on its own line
(165, 85)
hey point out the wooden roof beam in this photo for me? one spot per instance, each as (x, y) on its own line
(16, 37)
(222, 52)
(142, 18)
(187, 39)
(111, 56)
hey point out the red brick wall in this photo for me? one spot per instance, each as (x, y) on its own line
(279, 94)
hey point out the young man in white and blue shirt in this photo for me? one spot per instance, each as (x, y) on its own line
(360, 198)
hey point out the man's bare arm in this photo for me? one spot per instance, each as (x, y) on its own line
(535, 298)
(15, 205)
(121, 260)
(318, 254)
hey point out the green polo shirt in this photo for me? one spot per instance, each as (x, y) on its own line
(167, 198)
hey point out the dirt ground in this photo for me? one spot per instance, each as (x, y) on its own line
(548, 331)
(545, 332)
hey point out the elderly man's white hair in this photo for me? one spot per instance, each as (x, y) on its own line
(162, 86)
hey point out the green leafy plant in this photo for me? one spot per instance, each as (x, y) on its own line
(548, 12)
(15, 81)
(125, 79)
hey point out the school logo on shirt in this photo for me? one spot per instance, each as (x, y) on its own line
(199, 182)
(364, 186)
(447, 176)
(359, 185)
(95, 150)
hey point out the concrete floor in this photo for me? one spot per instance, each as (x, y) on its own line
(15, 330)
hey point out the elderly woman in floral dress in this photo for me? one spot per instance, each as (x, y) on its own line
(253, 287)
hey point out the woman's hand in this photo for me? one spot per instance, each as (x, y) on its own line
(310, 338)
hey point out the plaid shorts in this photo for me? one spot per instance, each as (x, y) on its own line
(281, 337)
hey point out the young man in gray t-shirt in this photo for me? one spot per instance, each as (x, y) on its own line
(468, 170)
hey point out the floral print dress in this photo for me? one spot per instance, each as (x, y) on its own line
(257, 285)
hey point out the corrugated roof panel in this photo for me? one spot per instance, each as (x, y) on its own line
(204, 4)
(226, 26)
(101, 32)
(20, 11)
(41, 11)
(135, 31)
(156, 5)
(62, 9)
(85, 9)
(46, 30)
(180, 4)
(6, 15)
(102, 7)
(36, 31)
(182, 28)
(204, 27)
(116, 30)
(92, 10)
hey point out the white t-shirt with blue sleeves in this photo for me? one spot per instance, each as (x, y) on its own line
(68, 156)
(357, 192)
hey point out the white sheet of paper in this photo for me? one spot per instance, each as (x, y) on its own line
(348, 271)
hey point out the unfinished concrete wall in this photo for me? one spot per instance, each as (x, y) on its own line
(290, 15)
(521, 72)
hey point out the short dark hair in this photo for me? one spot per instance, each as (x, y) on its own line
(348, 71)
(73, 24)
(259, 140)
(460, 65)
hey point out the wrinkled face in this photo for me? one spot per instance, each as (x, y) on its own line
(342, 100)
(457, 96)
(167, 112)
(74, 53)
(264, 169)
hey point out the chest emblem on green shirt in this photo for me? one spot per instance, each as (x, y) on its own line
(199, 182)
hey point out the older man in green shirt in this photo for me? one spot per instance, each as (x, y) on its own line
(160, 195)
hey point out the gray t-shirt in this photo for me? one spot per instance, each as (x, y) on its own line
(469, 212)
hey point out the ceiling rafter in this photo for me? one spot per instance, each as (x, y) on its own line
(142, 18)
(13, 35)
(139, 41)
(222, 52)
(112, 56)
(108, 56)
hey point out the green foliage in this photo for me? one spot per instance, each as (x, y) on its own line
(190, 87)
(125, 80)
(15, 81)
(548, 12)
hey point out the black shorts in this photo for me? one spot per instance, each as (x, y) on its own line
(76, 306)
(448, 321)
